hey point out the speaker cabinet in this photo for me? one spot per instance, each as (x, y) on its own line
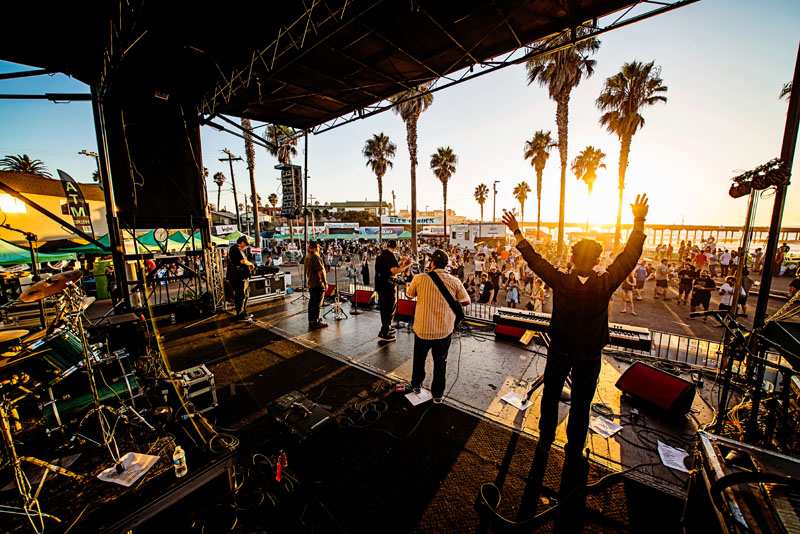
(659, 389)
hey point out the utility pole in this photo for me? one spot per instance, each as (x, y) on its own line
(494, 201)
(230, 159)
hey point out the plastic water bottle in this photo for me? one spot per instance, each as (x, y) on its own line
(172, 318)
(179, 462)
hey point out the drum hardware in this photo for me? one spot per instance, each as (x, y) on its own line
(336, 307)
(28, 494)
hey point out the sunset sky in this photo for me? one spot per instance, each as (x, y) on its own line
(724, 62)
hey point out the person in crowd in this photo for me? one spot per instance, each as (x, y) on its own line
(316, 281)
(578, 333)
(239, 270)
(725, 262)
(538, 295)
(627, 293)
(686, 277)
(758, 260)
(726, 291)
(488, 289)
(700, 260)
(434, 321)
(701, 292)
(794, 287)
(512, 291)
(386, 268)
(494, 276)
(640, 274)
(661, 276)
(747, 285)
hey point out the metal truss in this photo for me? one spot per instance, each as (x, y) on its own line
(315, 20)
(123, 35)
(637, 12)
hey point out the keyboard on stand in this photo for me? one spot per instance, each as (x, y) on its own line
(511, 323)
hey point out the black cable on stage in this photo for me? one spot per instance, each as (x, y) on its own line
(492, 502)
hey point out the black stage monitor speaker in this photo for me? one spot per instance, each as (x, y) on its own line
(156, 163)
(669, 393)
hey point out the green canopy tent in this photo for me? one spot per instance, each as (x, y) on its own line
(236, 234)
(215, 240)
(404, 235)
(91, 248)
(11, 254)
(149, 241)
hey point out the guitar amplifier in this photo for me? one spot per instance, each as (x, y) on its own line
(662, 390)
(405, 309)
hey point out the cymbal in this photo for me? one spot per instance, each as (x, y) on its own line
(11, 335)
(52, 286)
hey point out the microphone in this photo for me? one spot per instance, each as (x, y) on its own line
(704, 313)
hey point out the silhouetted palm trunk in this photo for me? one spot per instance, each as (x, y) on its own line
(411, 140)
(444, 197)
(219, 192)
(538, 203)
(480, 224)
(562, 118)
(380, 209)
(624, 152)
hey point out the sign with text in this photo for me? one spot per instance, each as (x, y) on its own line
(393, 219)
(224, 229)
(292, 185)
(77, 206)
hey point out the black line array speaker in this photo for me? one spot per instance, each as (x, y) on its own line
(156, 162)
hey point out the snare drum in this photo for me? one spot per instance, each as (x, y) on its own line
(62, 349)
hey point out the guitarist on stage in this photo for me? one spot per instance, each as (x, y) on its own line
(239, 270)
(578, 333)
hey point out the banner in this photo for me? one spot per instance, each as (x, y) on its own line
(291, 181)
(224, 229)
(393, 219)
(77, 206)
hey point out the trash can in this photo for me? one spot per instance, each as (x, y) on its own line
(101, 280)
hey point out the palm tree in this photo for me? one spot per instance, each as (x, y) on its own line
(481, 194)
(786, 91)
(443, 165)
(250, 156)
(219, 179)
(521, 191)
(284, 144)
(538, 150)
(409, 105)
(24, 163)
(624, 95)
(96, 176)
(561, 72)
(586, 163)
(379, 152)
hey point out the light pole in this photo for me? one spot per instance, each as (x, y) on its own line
(494, 200)
(96, 156)
(230, 159)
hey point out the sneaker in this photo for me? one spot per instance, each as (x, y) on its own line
(438, 400)
(416, 391)
(387, 337)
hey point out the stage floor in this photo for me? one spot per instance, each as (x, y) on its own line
(480, 372)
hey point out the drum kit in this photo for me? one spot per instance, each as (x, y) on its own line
(57, 380)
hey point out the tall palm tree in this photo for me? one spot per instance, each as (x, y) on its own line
(586, 163)
(624, 95)
(481, 194)
(379, 152)
(538, 151)
(409, 105)
(284, 144)
(786, 91)
(219, 179)
(24, 163)
(250, 156)
(443, 165)
(521, 191)
(561, 72)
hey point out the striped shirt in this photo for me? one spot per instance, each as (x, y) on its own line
(433, 318)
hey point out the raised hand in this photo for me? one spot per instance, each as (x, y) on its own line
(510, 221)
(640, 207)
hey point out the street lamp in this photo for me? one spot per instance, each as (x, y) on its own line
(92, 154)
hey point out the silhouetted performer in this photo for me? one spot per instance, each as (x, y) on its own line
(578, 333)
(386, 268)
(239, 269)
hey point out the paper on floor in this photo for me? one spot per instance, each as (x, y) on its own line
(672, 457)
(418, 398)
(604, 427)
(516, 401)
(135, 464)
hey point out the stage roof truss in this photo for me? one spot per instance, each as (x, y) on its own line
(366, 80)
